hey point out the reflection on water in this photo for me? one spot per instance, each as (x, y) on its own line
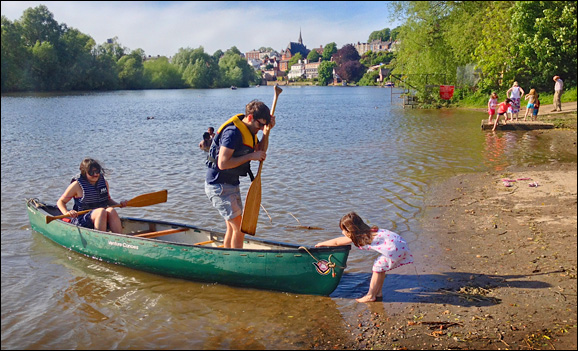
(334, 150)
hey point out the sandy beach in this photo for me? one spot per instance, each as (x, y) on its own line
(508, 251)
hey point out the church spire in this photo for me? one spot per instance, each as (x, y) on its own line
(300, 40)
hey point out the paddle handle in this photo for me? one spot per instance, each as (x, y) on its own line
(265, 141)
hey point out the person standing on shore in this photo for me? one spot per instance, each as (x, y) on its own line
(515, 93)
(492, 103)
(393, 249)
(558, 88)
(234, 147)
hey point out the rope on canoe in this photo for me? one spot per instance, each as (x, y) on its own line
(35, 202)
(329, 264)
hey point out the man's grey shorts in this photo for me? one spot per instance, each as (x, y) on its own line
(226, 198)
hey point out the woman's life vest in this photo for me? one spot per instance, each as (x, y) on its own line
(93, 196)
(249, 142)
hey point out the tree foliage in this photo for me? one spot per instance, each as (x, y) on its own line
(325, 72)
(383, 35)
(348, 66)
(328, 51)
(526, 41)
(293, 60)
(313, 56)
(371, 58)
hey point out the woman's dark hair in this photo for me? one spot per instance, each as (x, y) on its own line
(89, 164)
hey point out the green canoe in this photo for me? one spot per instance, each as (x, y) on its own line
(189, 252)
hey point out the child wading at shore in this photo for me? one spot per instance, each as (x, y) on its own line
(502, 110)
(531, 97)
(393, 249)
(492, 103)
(536, 108)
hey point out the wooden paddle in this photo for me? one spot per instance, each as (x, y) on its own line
(253, 199)
(139, 201)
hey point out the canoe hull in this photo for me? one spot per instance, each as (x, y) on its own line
(281, 267)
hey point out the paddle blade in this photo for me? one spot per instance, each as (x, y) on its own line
(252, 206)
(148, 199)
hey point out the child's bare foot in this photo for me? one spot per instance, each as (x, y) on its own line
(366, 298)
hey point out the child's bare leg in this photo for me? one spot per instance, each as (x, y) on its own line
(496, 123)
(375, 287)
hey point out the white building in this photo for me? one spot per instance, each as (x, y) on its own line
(297, 70)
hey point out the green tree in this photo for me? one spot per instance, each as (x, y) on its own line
(328, 51)
(76, 60)
(235, 70)
(371, 58)
(131, 70)
(113, 48)
(38, 25)
(103, 71)
(44, 63)
(14, 58)
(325, 71)
(313, 56)
(199, 70)
(369, 78)
(293, 60)
(545, 36)
(383, 35)
(160, 74)
(492, 53)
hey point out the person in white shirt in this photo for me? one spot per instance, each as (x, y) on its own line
(558, 87)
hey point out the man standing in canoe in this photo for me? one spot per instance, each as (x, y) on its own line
(232, 149)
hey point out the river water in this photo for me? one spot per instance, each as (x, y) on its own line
(334, 150)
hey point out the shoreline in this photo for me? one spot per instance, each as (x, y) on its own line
(505, 270)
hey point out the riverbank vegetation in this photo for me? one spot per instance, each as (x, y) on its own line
(484, 46)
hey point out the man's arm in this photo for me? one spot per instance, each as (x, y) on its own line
(227, 161)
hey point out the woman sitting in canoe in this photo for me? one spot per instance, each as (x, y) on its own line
(90, 192)
(393, 249)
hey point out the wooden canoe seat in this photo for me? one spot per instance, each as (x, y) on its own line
(162, 232)
(205, 242)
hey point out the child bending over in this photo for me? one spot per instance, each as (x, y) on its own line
(393, 249)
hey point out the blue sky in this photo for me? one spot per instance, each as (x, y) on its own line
(162, 28)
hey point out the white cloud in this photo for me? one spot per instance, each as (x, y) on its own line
(162, 28)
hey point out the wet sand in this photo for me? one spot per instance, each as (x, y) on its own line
(505, 277)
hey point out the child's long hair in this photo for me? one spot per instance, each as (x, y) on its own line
(532, 92)
(359, 232)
